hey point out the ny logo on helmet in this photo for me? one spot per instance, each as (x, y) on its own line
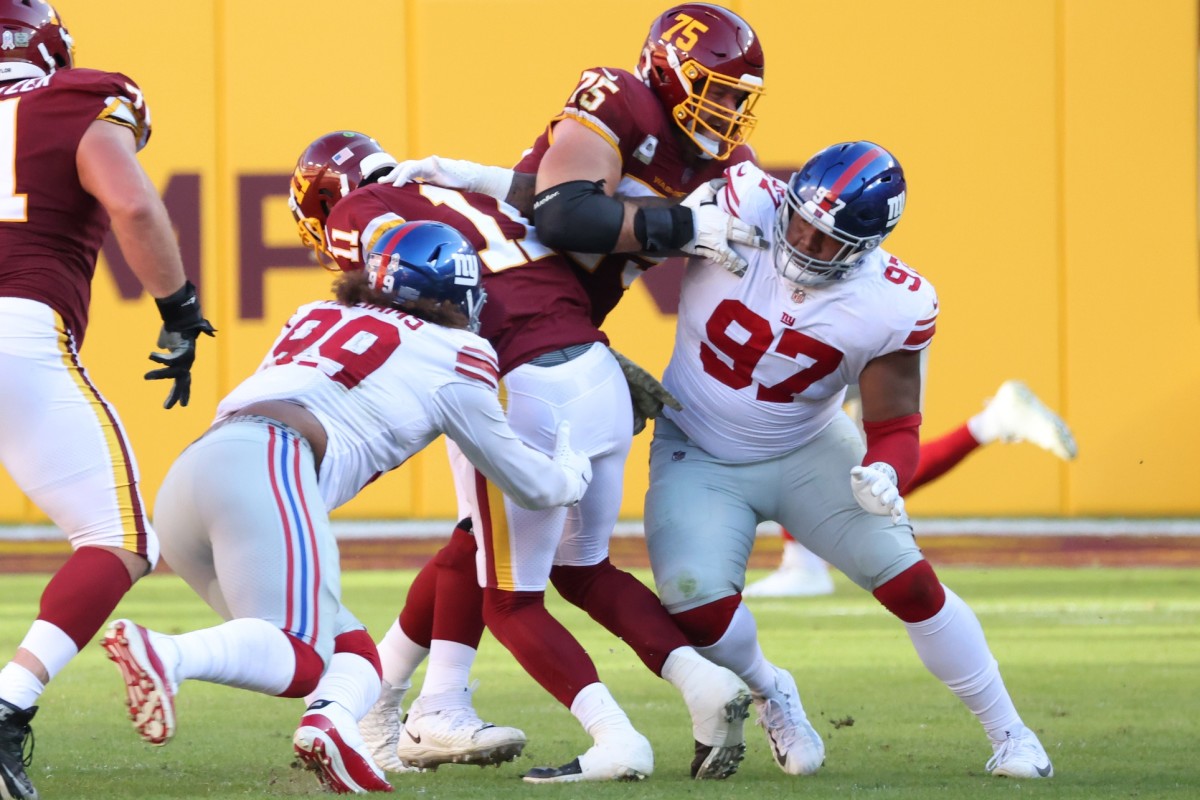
(895, 208)
(466, 269)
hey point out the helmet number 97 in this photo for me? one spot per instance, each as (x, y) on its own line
(689, 31)
(591, 90)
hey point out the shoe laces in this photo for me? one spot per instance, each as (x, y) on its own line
(22, 741)
(779, 721)
(1021, 747)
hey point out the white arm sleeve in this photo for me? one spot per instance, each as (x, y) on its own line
(473, 419)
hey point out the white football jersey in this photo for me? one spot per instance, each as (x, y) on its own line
(384, 385)
(760, 366)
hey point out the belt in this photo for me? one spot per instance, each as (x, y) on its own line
(561, 356)
(262, 420)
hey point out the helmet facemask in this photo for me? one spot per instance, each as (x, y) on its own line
(801, 269)
(712, 126)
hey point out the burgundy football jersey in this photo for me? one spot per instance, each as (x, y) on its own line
(619, 107)
(50, 228)
(534, 302)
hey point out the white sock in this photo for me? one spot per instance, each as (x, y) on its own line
(350, 681)
(680, 663)
(400, 656)
(952, 646)
(982, 428)
(598, 712)
(19, 686)
(738, 650)
(449, 667)
(247, 653)
(50, 645)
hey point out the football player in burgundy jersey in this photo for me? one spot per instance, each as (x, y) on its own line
(761, 364)
(661, 133)
(69, 172)
(555, 366)
(351, 389)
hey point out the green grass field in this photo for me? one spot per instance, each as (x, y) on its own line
(1103, 663)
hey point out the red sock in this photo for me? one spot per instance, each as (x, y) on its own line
(419, 615)
(361, 644)
(309, 668)
(940, 455)
(623, 605)
(539, 642)
(914, 595)
(458, 607)
(84, 591)
(704, 626)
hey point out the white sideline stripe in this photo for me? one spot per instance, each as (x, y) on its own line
(939, 526)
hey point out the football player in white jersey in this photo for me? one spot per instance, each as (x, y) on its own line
(761, 365)
(351, 389)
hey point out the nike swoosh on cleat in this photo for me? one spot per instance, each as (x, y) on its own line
(416, 737)
(1044, 771)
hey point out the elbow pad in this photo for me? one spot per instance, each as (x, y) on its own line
(579, 216)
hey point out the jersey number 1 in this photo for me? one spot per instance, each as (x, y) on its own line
(13, 206)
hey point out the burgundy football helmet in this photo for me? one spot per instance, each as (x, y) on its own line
(33, 41)
(329, 169)
(695, 54)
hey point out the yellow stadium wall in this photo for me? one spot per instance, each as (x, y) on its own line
(1050, 147)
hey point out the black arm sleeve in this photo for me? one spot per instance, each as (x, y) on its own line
(579, 216)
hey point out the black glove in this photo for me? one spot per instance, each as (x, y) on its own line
(647, 394)
(182, 324)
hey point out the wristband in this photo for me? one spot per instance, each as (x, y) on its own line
(180, 311)
(663, 230)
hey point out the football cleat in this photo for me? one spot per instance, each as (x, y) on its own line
(1020, 756)
(328, 743)
(149, 689)
(1020, 416)
(15, 734)
(792, 581)
(631, 759)
(380, 729)
(719, 703)
(796, 745)
(444, 729)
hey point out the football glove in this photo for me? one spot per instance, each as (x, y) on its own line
(182, 325)
(874, 487)
(648, 395)
(453, 173)
(574, 463)
(715, 230)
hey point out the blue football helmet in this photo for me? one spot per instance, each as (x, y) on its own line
(853, 192)
(428, 260)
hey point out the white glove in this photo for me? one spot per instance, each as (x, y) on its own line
(452, 173)
(714, 229)
(875, 489)
(572, 462)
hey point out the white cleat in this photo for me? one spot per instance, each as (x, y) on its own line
(380, 729)
(1020, 416)
(1021, 755)
(788, 581)
(719, 704)
(327, 742)
(149, 689)
(796, 745)
(631, 759)
(444, 729)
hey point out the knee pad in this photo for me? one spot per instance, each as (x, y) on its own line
(914, 595)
